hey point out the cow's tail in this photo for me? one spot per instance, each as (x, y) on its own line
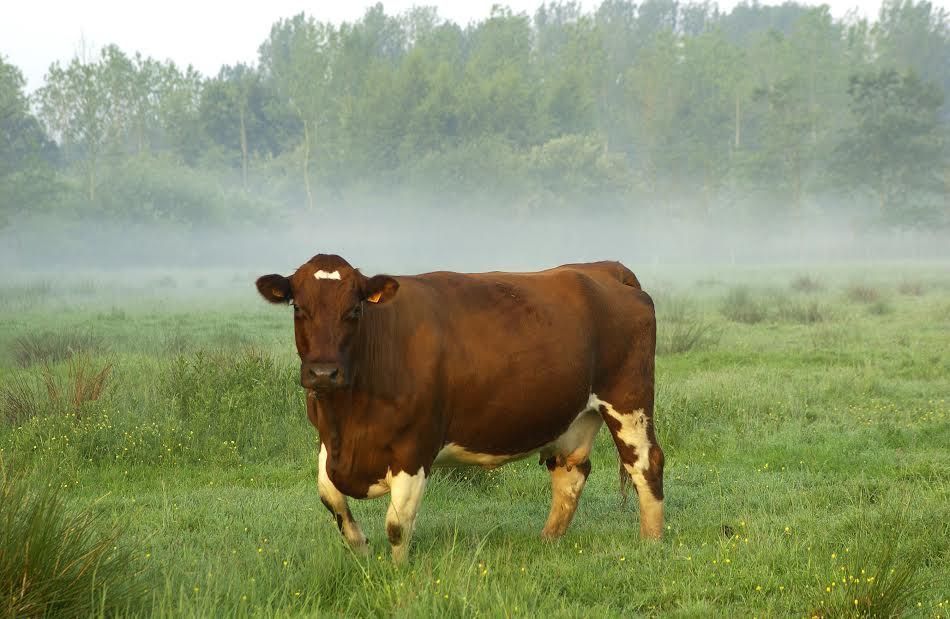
(624, 483)
(627, 278)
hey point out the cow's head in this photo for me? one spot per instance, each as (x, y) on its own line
(329, 299)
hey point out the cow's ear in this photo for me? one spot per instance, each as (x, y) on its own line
(275, 288)
(380, 289)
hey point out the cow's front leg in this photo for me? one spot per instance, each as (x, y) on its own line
(335, 501)
(405, 496)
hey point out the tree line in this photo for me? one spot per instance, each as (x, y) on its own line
(663, 107)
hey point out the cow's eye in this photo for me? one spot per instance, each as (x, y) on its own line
(356, 312)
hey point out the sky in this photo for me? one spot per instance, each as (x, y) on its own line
(210, 33)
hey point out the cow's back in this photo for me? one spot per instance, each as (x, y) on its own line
(521, 352)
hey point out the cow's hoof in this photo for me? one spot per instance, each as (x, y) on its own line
(551, 535)
(401, 554)
(360, 549)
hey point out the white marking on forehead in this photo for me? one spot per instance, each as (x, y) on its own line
(321, 274)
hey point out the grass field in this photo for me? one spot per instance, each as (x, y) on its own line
(157, 461)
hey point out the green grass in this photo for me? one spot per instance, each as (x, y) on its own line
(803, 447)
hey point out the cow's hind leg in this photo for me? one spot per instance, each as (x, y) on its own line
(405, 497)
(335, 501)
(568, 461)
(631, 427)
(567, 482)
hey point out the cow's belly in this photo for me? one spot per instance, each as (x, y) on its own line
(572, 445)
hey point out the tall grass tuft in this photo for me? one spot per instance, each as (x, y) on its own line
(861, 293)
(50, 347)
(911, 288)
(740, 306)
(58, 562)
(806, 283)
(877, 584)
(807, 313)
(83, 384)
(681, 328)
(18, 400)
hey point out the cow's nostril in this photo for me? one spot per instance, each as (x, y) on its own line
(334, 374)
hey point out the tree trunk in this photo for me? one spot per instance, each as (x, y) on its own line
(306, 164)
(738, 123)
(243, 149)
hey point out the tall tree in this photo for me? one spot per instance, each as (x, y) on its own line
(896, 148)
(26, 154)
(298, 56)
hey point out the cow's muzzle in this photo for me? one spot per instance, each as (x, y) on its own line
(321, 377)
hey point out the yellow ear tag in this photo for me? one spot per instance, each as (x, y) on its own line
(374, 298)
(277, 293)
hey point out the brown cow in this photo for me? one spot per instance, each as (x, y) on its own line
(410, 372)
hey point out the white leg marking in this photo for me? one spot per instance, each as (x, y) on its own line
(633, 432)
(406, 495)
(566, 487)
(337, 502)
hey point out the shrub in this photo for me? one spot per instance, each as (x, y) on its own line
(739, 306)
(57, 563)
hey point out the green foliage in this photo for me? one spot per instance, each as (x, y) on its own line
(897, 147)
(664, 106)
(59, 561)
(26, 153)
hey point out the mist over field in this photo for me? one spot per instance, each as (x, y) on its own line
(414, 240)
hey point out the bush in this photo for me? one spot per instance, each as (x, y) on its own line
(739, 306)
(57, 563)
(911, 288)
